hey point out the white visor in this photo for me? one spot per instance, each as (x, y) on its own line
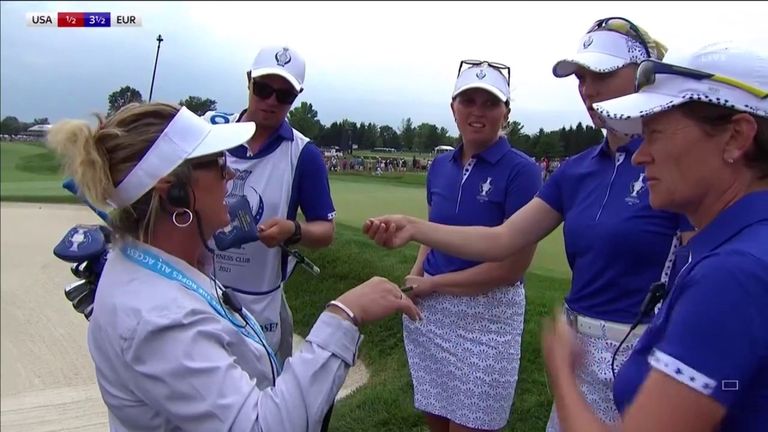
(187, 136)
(744, 62)
(601, 51)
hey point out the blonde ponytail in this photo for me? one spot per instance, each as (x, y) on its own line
(100, 159)
(657, 48)
(74, 142)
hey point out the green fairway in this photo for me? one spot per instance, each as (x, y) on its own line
(30, 173)
(360, 197)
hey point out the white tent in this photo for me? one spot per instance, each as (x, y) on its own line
(38, 130)
(443, 149)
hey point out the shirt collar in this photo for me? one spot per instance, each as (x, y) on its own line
(492, 154)
(748, 210)
(282, 133)
(630, 147)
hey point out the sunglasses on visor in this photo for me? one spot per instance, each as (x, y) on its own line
(265, 91)
(215, 160)
(498, 66)
(648, 69)
(603, 24)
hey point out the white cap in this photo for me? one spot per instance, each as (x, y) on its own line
(484, 77)
(280, 60)
(187, 136)
(602, 51)
(734, 60)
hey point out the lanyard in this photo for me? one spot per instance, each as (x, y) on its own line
(154, 263)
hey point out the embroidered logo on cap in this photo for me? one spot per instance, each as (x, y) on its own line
(587, 42)
(282, 57)
(480, 74)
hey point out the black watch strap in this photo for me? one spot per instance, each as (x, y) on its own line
(296, 236)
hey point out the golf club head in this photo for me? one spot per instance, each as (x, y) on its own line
(80, 270)
(84, 302)
(76, 290)
(88, 312)
(81, 243)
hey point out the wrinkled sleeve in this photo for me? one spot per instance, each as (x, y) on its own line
(715, 337)
(181, 366)
(314, 189)
(522, 188)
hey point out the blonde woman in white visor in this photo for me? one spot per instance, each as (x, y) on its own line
(172, 350)
(702, 364)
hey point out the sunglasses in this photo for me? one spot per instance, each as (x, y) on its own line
(217, 160)
(648, 69)
(265, 91)
(603, 24)
(498, 66)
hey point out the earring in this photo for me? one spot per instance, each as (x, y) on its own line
(185, 212)
(730, 161)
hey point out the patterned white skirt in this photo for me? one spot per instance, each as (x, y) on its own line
(595, 378)
(464, 355)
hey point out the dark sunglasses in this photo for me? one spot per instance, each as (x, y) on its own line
(217, 160)
(265, 91)
(498, 66)
(648, 69)
(603, 23)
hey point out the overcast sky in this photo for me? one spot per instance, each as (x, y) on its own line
(366, 61)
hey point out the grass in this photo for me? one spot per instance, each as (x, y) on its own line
(386, 402)
(30, 173)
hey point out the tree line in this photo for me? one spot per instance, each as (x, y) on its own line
(347, 135)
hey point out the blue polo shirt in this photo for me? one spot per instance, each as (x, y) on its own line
(486, 191)
(616, 244)
(711, 333)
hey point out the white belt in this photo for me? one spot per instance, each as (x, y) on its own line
(600, 328)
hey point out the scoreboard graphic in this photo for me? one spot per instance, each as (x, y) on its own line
(82, 19)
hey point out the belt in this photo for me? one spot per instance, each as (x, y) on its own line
(601, 329)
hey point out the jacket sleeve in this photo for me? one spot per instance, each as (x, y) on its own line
(181, 366)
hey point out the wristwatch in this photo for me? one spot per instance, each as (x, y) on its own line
(296, 236)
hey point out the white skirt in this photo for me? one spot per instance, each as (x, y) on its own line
(464, 355)
(595, 378)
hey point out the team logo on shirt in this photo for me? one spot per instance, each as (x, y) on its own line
(635, 188)
(485, 189)
(283, 57)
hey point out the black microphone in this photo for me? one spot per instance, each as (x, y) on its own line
(232, 302)
(656, 294)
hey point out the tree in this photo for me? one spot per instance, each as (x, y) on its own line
(304, 119)
(389, 137)
(120, 98)
(407, 134)
(427, 137)
(513, 130)
(11, 126)
(198, 105)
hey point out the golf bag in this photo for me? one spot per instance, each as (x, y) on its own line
(86, 247)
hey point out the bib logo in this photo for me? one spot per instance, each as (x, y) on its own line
(635, 189)
(238, 188)
(485, 189)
